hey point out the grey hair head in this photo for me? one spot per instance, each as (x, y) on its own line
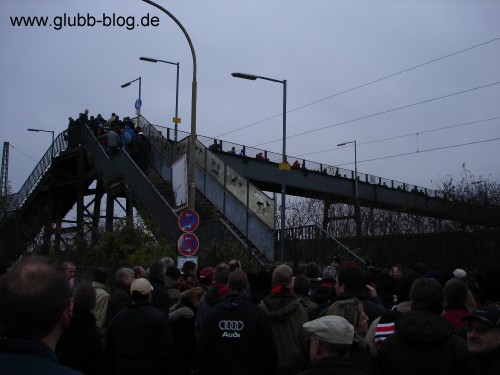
(122, 274)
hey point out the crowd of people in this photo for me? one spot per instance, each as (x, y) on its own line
(115, 135)
(219, 319)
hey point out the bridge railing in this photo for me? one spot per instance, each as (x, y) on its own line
(247, 193)
(243, 204)
(311, 166)
(16, 200)
(122, 167)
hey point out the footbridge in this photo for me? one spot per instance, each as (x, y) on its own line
(233, 195)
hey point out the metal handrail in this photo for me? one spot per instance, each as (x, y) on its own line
(16, 200)
(162, 150)
(313, 166)
(121, 166)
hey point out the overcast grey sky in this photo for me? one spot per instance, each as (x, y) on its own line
(322, 48)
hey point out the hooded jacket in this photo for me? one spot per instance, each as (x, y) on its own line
(236, 339)
(424, 343)
(209, 299)
(287, 314)
(186, 356)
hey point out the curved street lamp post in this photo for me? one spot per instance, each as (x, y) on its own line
(176, 119)
(140, 102)
(51, 145)
(192, 140)
(284, 166)
(357, 215)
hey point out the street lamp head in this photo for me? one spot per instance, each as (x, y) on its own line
(244, 76)
(346, 143)
(125, 85)
(148, 59)
(33, 130)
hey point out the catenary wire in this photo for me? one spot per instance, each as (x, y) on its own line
(21, 152)
(380, 113)
(406, 135)
(362, 85)
(423, 151)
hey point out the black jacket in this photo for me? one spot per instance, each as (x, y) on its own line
(186, 353)
(139, 341)
(237, 338)
(424, 343)
(489, 364)
(160, 297)
(332, 365)
(119, 298)
(80, 346)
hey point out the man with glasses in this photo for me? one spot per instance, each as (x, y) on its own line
(483, 338)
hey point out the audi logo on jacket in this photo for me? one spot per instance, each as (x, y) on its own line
(236, 337)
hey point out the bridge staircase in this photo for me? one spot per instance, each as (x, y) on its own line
(76, 168)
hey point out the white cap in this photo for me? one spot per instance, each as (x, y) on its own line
(460, 273)
(332, 329)
(142, 286)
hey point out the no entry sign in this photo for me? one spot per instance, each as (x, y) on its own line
(188, 220)
(188, 244)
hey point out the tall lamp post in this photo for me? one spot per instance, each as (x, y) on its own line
(284, 166)
(192, 140)
(138, 103)
(355, 166)
(356, 202)
(176, 119)
(51, 145)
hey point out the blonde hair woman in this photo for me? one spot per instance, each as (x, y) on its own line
(352, 311)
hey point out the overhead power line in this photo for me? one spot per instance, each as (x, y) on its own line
(25, 154)
(381, 113)
(423, 151)
(362, 85)
(406, 135)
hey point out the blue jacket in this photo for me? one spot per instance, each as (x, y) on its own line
(30, 357)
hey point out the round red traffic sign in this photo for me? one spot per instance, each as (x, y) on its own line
(188, 244)
(188, 220)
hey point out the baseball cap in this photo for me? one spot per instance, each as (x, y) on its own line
(487, 314)
(332, 329)
(335, 258)
(460, 273)
(207, 273)
(142, 286)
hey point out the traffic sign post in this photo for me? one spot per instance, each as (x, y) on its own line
(188, 220)
(188, 244)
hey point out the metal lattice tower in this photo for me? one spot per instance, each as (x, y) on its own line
(4, 187)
